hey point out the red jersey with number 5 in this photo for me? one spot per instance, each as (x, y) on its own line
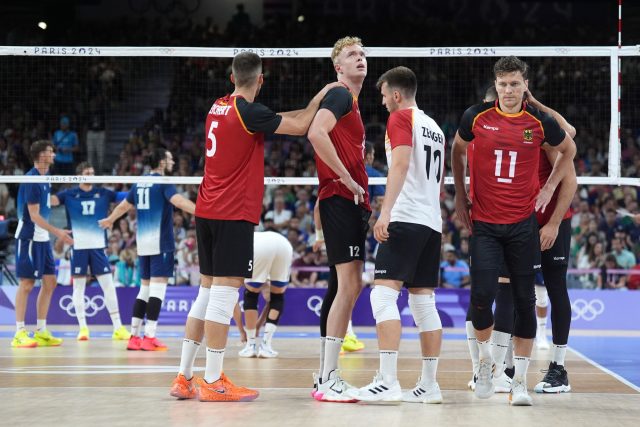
(233, 182)
(348, 139)
(504, 165)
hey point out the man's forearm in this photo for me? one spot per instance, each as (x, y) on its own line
(328, 154)
(458, 166)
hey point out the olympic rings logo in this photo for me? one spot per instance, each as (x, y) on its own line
(91, 305)
(314, 304)
(586, 310)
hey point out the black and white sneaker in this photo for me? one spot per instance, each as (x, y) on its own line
(555, 380)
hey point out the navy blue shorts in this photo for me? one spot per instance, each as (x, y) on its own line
(160, 265)
(94, 258)
(34, 259)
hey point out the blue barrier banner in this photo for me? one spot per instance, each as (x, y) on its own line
(591, 309)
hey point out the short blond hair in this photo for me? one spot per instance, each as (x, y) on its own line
(341, 44)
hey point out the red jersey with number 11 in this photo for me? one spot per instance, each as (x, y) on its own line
(504, 165)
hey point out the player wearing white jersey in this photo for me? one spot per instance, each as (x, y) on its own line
(409, 230)
(154, 237)
(272, 255)
(84, 205)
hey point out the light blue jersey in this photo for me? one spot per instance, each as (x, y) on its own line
(33, 194)
(155, 217)
(84, 209)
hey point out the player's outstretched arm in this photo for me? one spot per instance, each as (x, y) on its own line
(297, 122)
(549, 231)
(183, 203)
(119, 210)
(400, 160)
(562, 166)
(564, 124)
(322, 124)
(459, 167)
(34, 213)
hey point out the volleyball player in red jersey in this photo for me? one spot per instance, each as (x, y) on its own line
(507, 136)
(338, 138)
(227, 209)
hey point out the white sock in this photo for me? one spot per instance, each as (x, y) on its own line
(484, 349)
(136, 322)
(472, 343)
(500, 341)
(251, 336)
(323, 341)
(20, 326)
(522, 365)
(213, 368)
(559, 352)
(350, 328)
(79, 285)
(429, 369)
(508, 360)
(188, 357)
(541, 332)
(332, 346)
(110, 299)
(389, 366)
(41, 324)
(150, 328)
(269, 330)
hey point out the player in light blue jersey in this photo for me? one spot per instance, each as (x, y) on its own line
(154, 237)
(84, 205)
(34, 258)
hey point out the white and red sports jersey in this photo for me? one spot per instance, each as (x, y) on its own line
(419, 200)
(233, 182)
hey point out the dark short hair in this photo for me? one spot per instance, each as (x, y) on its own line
(509, 64)
(491, 94)
(39, 147)
(368, 147)
(157, 155)
(401, 79)
(245, 67)
(82, 167)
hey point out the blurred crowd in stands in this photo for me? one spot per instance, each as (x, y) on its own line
(69, 101)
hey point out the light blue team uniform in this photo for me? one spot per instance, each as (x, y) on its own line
(34, 257)
(84, 209)
(154, 236)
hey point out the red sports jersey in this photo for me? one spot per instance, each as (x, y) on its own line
(233, 183)
(543, 174)
(504, 164)
(348, 139)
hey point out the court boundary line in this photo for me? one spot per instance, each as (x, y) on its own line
(619, 377)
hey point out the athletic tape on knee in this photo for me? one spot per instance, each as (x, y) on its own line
(157, 290)
(425, 314)
(384, 304)
(542, 297)
(276, 302)
(143, 293)
(222, 301)
(199, 306)
(250, 301)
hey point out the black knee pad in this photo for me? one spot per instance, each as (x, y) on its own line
(504, 313)
(468, 318)
(483, 293)
(524, 299)
(482, 318)
(250, 300)
(153, 308)
(327, 301)
(276, 302)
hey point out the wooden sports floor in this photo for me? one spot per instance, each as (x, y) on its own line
(99, 383)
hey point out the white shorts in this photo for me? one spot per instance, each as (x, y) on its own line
(272, 255)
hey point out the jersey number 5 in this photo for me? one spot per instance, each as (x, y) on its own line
(212, 137)
(437, 160)
(512, 166)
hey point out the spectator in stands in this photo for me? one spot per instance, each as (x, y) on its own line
(374, 190)
(454, 272)
(611, 280)
(624, 258)
(279, 214)
(127, 271)
(96, 136)
(66, 143)
(304, 279)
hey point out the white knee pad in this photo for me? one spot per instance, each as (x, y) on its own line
(199, 306)
(384, 304)
(222, 301)
(157, 290)
(542, 298)
(425, 314)
(143, 293)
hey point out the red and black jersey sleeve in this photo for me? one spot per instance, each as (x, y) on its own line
(465, 130)
(553, 133)
(339, 101)
(257, 117)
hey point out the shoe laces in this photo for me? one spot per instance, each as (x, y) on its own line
(485, 371)
(518, 386)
